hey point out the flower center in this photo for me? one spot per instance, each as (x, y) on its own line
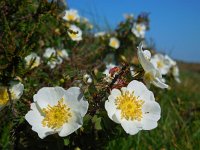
(148, 76)
(139, 28)
(160, 64)
(130, 106)
(113, 43)
(57, 115)
(71, 17)
(4, 97)
(73, 35)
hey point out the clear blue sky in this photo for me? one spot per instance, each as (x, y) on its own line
(175, 24)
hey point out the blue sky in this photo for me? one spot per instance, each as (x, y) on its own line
(175, 24)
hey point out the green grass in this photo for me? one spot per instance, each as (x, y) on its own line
(179, 126)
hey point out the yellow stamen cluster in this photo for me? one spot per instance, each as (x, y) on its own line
(71, 17)
(57, 115)
(139, 28)
(113, 43)
(73, 35)
(130, 106)
(4, 97)
(148, 76)
(160, 64)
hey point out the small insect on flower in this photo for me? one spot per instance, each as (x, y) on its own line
(134, 107)
(16, 90)
(152, 75)
(32, 60)
(75, 33)
(71, 15)
(56, 110)
(114, 43)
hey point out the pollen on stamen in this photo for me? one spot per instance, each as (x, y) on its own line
(130, 106)
(4, 97)
(56, 116)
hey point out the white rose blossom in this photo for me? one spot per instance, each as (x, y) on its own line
(56, 110)
(16, 90)
(175, 73)
(71, 15)
(32, 60)
(58, 56)
(152, 74)
(139, 30)
(159, 61)
(75, 33)
(114, 43)
(134, 107)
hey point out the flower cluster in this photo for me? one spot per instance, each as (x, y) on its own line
(75, 78)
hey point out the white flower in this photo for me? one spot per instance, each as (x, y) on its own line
(49, 52)
(71, 15)
(175, 73)
(56, 110)
(175, 69)
(58, 56)
(63, 54)
(114, 43)
(152, 75)
(75, 33)
(159, 61)
(87, 78)
(32, 60)
(170, 61)
(139, 30)
(16, 90)
(99, 34)
(134, 107)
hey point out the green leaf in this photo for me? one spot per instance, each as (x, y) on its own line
(97, 122)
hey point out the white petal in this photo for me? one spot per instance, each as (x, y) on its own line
(117, 116)
(148, 124)
(157, 82)
(76, 101)
(124, 89)
(146, 64)
(131, 127)
(140, 90)
(111, 108)
(147, 54)
(115, 93)
(17, 90)
(34, 118)
(151, 110)
(75, 122)
(48, 96)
